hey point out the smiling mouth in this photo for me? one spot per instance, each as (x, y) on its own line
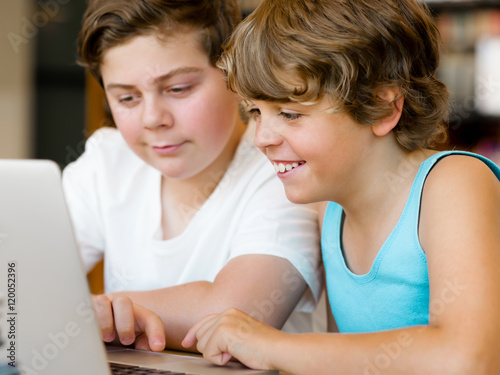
(286, 167)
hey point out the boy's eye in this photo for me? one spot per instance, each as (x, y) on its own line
(290, 115)
(177, 90)
(126, 99)
(253, 113)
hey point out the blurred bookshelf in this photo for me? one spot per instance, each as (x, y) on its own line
(456, 4)
(470, 62)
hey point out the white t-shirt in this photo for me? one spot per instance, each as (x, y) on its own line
(114, 200)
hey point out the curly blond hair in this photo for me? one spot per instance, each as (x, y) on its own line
(302, 50)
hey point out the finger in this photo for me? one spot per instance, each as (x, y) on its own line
(217, 336)
(142, 342)
(225, 357)
(123, 313)
(205, 333)
(152, 325)
(104, 315)
(191, 337)
(212, 339)
(214, 345)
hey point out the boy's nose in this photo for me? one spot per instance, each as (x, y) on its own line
(266, 135)
(156, 114)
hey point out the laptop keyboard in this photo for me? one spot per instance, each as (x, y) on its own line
(121, 369)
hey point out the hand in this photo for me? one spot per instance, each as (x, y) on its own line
(133, 323)
(233, 334)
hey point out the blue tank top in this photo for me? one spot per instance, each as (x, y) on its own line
(395, 293)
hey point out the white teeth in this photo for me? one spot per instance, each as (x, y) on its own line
(284, 167)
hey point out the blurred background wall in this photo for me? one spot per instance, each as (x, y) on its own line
(42, 90)
(16, 82)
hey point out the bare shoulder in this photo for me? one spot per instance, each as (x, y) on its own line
(460, 192)
(461, 174)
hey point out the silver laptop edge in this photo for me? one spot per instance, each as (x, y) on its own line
(48, 324)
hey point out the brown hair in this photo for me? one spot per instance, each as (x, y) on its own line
(109, 23)
(301, 50)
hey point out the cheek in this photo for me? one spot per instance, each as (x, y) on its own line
(127, 124)
(120, 116)
(322, 154)
(209, 120)
(222, 103)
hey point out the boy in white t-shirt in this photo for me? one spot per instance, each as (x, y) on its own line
(186, 212)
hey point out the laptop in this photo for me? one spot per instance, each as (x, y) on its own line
(46, 319)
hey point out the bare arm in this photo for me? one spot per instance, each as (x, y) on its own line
(267, 287)
(459, 231)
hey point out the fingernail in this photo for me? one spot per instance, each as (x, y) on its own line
(158, 343)
(128, 341)
(108, 338)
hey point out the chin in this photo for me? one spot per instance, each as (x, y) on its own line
(298, 198)
(174, 170)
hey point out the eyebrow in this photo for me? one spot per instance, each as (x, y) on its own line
(162, 78)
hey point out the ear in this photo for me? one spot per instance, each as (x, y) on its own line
(385, 125)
